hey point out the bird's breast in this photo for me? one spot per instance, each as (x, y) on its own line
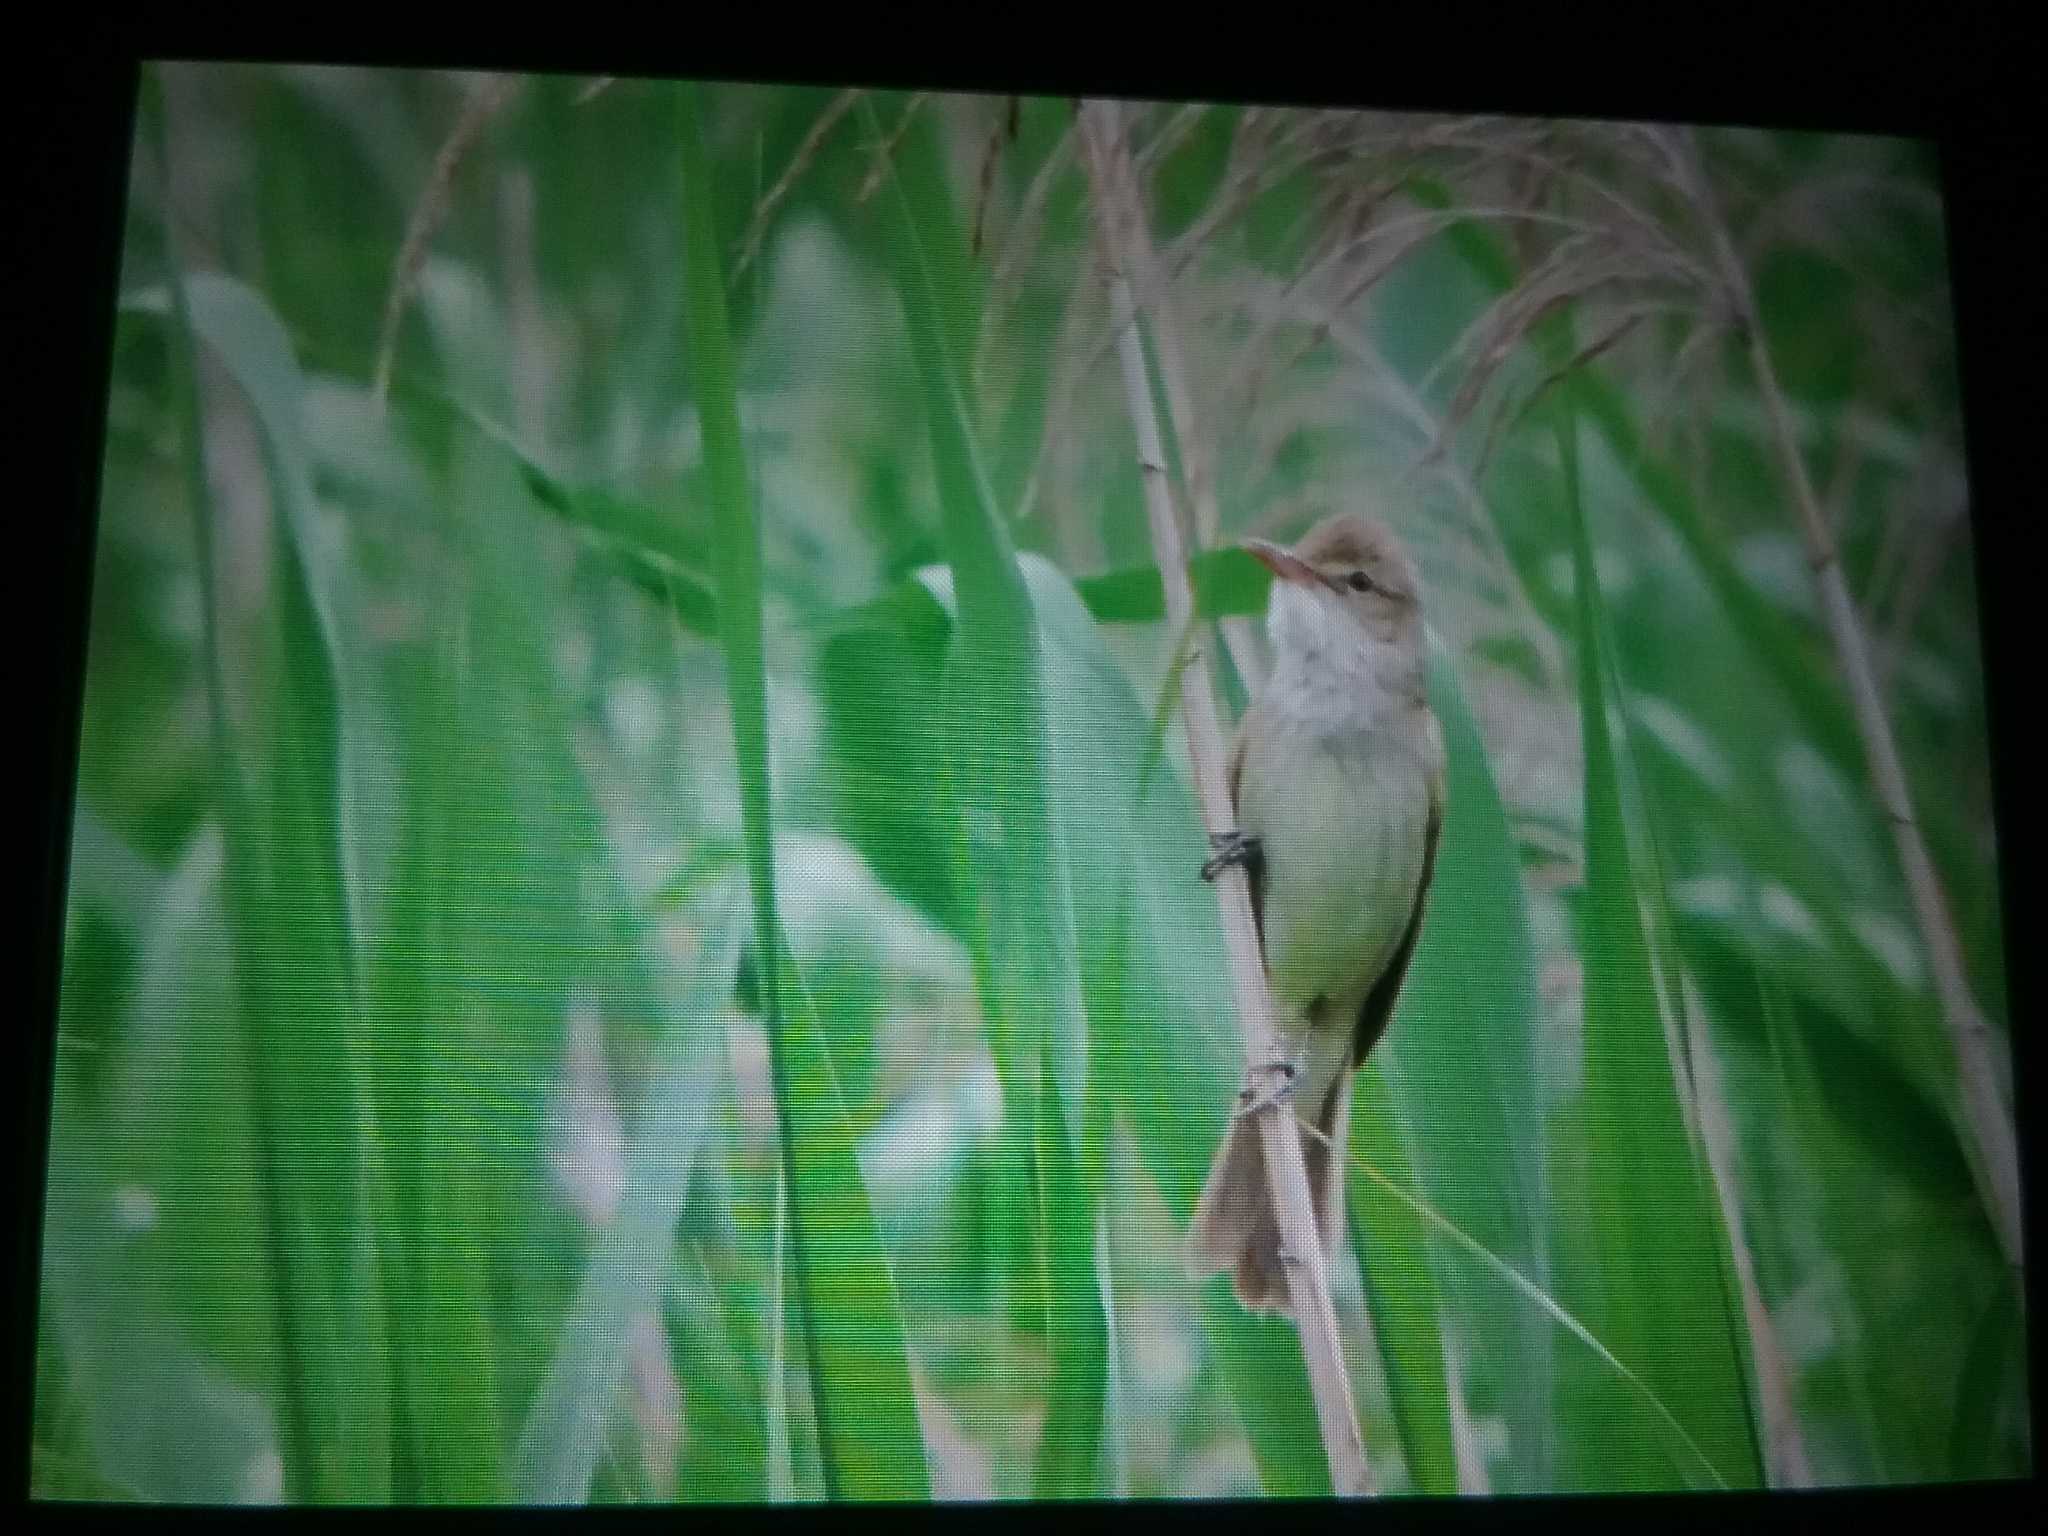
(1341, 815)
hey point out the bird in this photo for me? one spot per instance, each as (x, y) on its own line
(1337, 781)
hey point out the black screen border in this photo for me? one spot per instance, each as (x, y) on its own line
(1953, 79)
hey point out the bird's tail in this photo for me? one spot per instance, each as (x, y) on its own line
(1234, 1227)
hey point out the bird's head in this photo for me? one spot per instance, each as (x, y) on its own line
(1348, 576)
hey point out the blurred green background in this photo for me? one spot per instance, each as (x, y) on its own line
(451, 1106)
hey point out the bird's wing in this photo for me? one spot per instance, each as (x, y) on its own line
(1255, 866)
(1378, 1011)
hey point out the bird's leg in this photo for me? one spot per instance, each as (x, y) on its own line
(1231, 848)
(1280, 1074)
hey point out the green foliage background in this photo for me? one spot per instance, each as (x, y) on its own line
(633, 931)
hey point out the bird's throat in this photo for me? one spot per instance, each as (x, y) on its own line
(1329, 670)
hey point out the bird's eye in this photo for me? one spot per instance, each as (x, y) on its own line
(1358, 581)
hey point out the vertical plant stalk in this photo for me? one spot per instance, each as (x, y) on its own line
(737, 551)
(1198, 463)
(1990, 1122)
(1120, 223)
(1786, 1463)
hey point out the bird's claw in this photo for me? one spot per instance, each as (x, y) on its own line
(1250, 1099)
(1231, 848)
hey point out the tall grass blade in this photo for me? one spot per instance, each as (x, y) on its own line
(781, 1460)
(1000, 755)
(1773, 1425)
(715, 1341)
(1462, 1062)
(859, 1315)
(869, 1442)
(564, 1430)
(295, 957)
(1026, 943)
(434, 1048)
(1645, 1260)
(1072, 1456)
(1401, 1293)
(1869, 1167)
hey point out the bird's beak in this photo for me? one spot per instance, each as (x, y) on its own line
(1283, 562)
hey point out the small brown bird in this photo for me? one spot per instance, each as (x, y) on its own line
(1337, 776)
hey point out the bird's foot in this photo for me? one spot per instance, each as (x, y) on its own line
(1231, 848)
(1278, 1087)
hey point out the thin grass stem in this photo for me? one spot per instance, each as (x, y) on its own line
(1988, 1119)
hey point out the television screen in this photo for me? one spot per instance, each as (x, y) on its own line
(794, 794)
